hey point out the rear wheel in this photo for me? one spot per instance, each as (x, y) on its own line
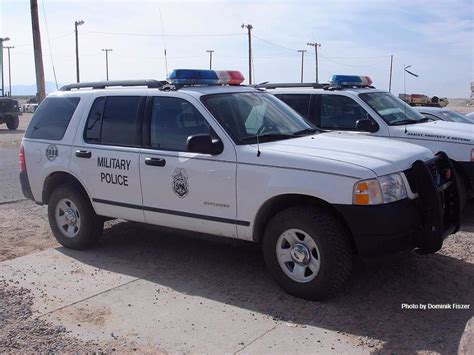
(13, 122)
(307, 252)
(72, 218)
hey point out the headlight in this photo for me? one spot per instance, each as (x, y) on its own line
(385, 189)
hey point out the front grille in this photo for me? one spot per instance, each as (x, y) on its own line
(435, 169)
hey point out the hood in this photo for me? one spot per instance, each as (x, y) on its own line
(340, 149)
(452, 132)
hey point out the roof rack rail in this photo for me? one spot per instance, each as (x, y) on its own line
(292, 85)
(150, 83)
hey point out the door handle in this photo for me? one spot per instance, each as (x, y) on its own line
(155, 161)
(83, 154)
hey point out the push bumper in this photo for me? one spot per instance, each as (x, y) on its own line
(422, 223)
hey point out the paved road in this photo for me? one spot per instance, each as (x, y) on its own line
(10, 189)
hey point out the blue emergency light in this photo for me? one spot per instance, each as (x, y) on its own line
(350, 80)
(205, 77)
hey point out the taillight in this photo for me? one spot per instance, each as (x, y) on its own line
(22, 159)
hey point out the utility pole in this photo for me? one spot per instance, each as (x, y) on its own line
(40, 85)
(390, 81)
(315, 45)
(302, 51)
(1, 60)
(9, 70)
(210, 51)
(76, 24)
(249, 30)
(107, 50)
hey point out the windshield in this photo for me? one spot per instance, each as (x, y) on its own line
(393, 110)
(454, 117)
(245, 115)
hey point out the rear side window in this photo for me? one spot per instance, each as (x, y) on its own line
(113, 121)
(340, 112)
(298, 102)
(52, 117)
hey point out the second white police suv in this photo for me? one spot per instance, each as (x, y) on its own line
(203, 153)
(351, 104)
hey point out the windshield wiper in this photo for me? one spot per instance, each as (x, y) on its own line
(403, 122)
(266, 137)
(305, 132)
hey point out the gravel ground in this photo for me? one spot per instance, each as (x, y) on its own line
(21, 332)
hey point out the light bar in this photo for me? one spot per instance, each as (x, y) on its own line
(230, 77)
(205, 77)
(350, 80)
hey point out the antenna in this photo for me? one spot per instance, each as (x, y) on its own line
(164, 44)
(258, 143)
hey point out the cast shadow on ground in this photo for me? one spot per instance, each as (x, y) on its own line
(233, 272)
(7, 131)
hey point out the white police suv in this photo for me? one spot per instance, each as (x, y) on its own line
(202, 153)
(350, 103)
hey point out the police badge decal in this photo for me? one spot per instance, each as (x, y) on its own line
(180, 183)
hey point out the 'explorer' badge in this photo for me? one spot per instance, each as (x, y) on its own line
(52, 152)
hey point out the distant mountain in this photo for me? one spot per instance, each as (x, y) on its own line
(21, 90)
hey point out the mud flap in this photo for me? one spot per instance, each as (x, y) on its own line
(431, 238)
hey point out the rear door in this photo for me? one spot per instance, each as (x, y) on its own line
(106, 155)
(181, 189)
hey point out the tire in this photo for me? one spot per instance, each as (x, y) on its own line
(13, 122)
(72, 219)
(332, 251)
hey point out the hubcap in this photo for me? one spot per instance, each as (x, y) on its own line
(298, 255)
(68, 218)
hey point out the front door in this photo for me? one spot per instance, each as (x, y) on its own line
(180, 189)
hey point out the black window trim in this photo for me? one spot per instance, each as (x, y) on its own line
(146, 127)
(138, 123)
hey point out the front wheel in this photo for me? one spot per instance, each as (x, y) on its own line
(307, 252)
(72, 219)
(13, 123)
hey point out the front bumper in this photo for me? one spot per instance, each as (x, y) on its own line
(422, 223)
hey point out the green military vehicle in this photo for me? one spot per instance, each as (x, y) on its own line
(9, 112)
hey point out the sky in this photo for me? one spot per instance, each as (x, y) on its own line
(357, 37)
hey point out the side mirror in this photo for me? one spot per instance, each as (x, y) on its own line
(204, 144)
(366, 125)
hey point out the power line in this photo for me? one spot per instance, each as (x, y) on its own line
(353, 65)
(163, 35)
(49, 45)
(275, 44)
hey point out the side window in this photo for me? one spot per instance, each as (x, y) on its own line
(173, 120)
(94, 121)
(298, 102)
(340, 112)
(431, 117)
(113, 121)
(51, 119)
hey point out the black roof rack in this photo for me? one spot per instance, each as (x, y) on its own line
(150, 83)
(292, 85)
